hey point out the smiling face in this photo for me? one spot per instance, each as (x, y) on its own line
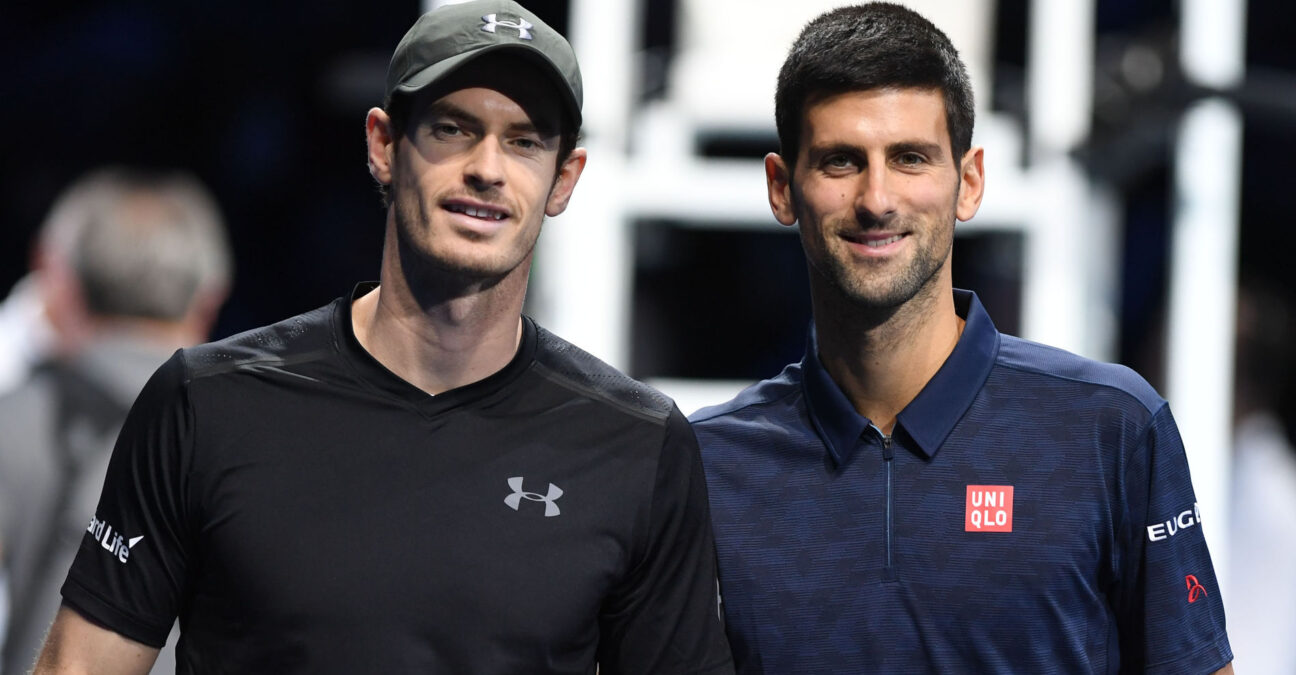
(475, 171)
(876, 192)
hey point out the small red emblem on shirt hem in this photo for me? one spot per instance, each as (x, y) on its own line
(1195, 589)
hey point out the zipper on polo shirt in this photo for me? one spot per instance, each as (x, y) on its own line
(887, 456)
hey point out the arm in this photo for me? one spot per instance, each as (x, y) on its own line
(665, 617)
(129, 576)
(1226, 670)
(75, 645)
(1166, 584)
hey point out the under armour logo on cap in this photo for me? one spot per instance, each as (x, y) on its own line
(515, 499)
(522, 26)
(447, 38)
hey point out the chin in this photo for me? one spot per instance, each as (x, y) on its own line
(470, 267)
(873, 291)
(464, 263)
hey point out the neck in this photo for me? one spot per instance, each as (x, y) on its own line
(882, 359)
(440, 333)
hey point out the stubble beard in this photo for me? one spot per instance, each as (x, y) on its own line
(874, 286)
(420, 258)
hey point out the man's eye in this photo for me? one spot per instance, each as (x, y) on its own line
(838, 162)
(911, 159)
(525, 143)
(445, 130)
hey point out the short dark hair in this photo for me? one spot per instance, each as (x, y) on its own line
(397, 107)
(871, 46)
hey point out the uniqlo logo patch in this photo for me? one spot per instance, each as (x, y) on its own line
(989, 508)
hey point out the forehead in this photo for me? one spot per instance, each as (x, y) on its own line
(515, 77)
(884, 116)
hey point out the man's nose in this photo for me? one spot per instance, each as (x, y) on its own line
(485, 166)
(875, 201)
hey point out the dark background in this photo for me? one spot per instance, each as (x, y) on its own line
(265, 102)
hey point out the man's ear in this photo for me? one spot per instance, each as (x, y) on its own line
(778, 180)
(561, 192)
(381, 139)
(971, 184)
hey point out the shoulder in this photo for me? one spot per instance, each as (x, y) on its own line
(1066, 373)
(778, 393)
(584, 375)
(770, 412)
(299, 337)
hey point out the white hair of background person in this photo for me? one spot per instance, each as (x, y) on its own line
(139, 244)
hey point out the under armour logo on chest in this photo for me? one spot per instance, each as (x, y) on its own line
(522, 26)
(515, 499)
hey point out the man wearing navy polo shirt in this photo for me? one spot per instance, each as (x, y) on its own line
(921, 493)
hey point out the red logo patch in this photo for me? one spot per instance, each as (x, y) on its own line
(1195, 590)
(989, 508)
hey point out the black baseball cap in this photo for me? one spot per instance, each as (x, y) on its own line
(452, 35)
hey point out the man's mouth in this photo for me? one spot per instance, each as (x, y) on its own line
(879, 243)
(484, 212)
(874, 240)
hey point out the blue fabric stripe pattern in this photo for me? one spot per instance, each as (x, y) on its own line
(834, 558)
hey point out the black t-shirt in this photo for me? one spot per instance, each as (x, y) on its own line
(302, 509)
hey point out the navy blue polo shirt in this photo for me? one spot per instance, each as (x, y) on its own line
(1031, 512)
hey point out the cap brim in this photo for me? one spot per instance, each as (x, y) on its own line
(435, 72)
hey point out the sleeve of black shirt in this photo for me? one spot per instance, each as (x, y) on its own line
(130, 568)
(665, 617)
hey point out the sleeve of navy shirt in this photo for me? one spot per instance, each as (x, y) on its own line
(130, 568)
(664, 617)
(1166, 575)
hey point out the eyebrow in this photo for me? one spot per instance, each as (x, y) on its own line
(932, 150)
(447, 109)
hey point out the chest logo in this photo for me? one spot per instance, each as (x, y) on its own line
(989, 508)
(514, 500)
(522, 26)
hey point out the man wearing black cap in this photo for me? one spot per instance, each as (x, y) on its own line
(414, 478)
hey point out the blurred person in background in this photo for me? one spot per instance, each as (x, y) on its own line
(1262, 562)
(415, 477)
(26, 335)
(921, 493)
(132, 266)
(44, 315)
